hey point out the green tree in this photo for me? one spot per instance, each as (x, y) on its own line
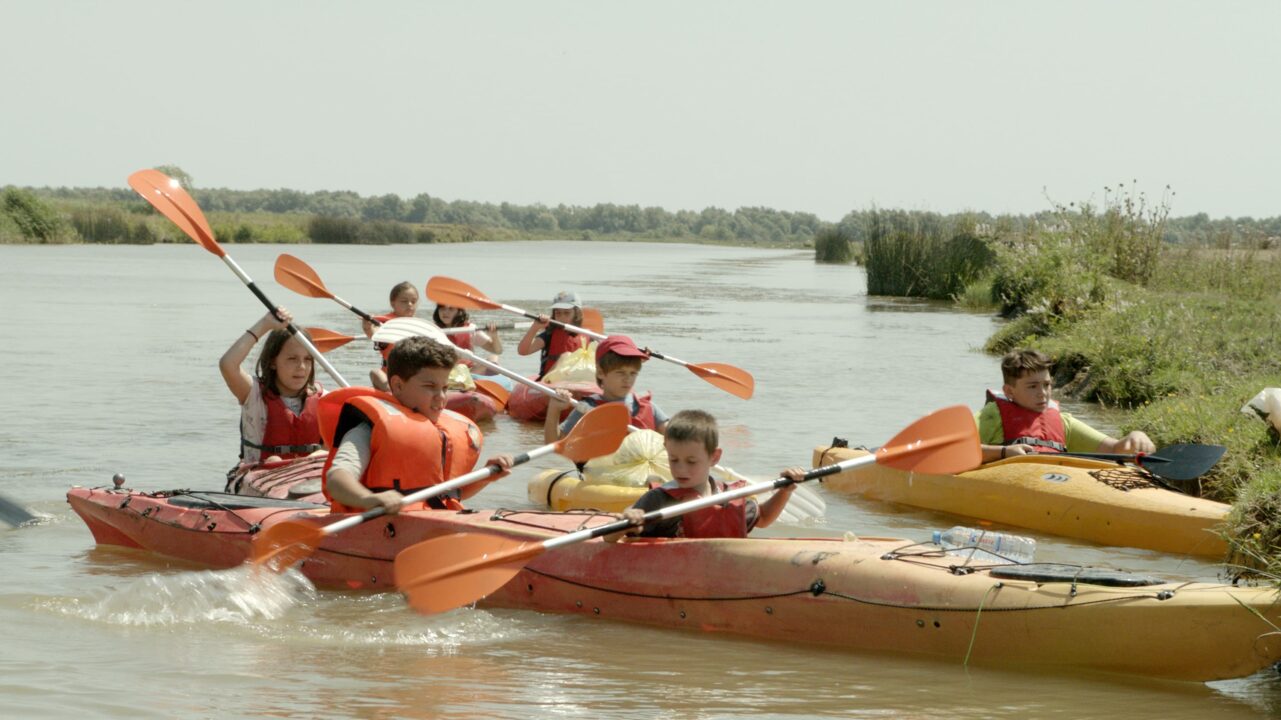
(178, 174)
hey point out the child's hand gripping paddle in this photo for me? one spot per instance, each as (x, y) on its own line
(167, 196)
(288, 542)
(448, 291)
(448, 572)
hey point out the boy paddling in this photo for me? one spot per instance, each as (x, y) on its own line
(1024, 418)
(693, 446)
(618, 365)
(387, 445)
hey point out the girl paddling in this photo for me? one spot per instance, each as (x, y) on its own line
(404, 304)
(447, 316)
(277, 405)
(554, 341)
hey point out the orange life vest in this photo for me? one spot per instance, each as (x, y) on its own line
(407, 451)
(728, 520)
(1044, 430)
(287, 434)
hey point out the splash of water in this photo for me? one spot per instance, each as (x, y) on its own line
(240, 595)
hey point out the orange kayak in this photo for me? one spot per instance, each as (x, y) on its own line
(866, 594)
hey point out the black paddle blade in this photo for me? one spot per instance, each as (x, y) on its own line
(13, 514)
(1183, 462)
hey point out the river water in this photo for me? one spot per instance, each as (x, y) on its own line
(108, 359)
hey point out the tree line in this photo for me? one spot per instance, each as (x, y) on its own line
(68, 214)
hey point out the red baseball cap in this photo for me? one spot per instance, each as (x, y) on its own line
(620, 345)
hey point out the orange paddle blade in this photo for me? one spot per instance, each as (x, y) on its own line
(492, 389)
(945, 442)
(285, 544)
(593, 320)
(599, 432)
(326, 340)
(298, 276)
(456, 293)
(455, 570)
(167, 196)
(732, 380)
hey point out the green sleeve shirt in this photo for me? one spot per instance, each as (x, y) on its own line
(1080, 437)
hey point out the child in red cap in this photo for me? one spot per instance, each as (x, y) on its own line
(618, 364)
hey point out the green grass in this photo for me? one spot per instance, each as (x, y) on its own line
(1184, 354)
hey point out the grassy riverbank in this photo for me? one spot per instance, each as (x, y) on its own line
(1181, 337)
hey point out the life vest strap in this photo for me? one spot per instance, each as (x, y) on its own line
(1059, 447)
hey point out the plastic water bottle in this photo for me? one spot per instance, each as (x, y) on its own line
(991, 546)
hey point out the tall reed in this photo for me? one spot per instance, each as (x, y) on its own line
(920, 254)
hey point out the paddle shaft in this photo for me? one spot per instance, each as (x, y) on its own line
(1136, 458)
(438, 490)
(293, 329)
(689, 506)
(363, 315)
(466, 329)
(592, 335)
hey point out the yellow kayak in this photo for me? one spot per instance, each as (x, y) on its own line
(1092, 500)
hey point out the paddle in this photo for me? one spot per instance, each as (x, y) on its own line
(733, 380)
(14, 514)
(167, 196)
(448, 572)
(298, 276)
(288, 542)
(327, 340)
(1180, 463)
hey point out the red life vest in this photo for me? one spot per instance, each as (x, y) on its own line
(642, 414)
(728, 520)
(287, 434)
(407, 451)
(558, 343)
(1044, 430)
(462, 340)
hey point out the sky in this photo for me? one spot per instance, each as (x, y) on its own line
(822, 107)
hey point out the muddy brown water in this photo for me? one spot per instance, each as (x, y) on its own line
(108, 361)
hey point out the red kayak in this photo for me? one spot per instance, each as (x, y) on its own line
(530, 405)
(865, 594)
(472, 404)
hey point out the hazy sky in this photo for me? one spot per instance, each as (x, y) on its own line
(816, 106)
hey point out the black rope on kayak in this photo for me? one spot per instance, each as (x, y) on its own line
(250, 528)
(588, 515)
(966, 568)
(817, 588)
(808, 590)
(978, 614)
